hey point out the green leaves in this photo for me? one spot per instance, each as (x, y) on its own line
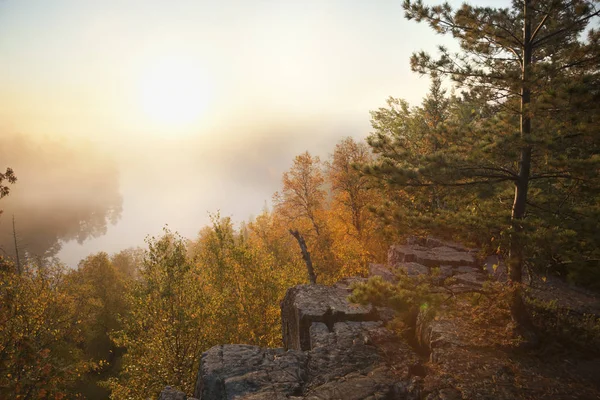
(165, 330)
(452, 164)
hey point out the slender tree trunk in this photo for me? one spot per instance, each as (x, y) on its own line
(355, 209)
(314, 222)
(18, 259)
(517, 256)
(312, 278)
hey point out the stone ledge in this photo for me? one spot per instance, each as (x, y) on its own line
(305, 304)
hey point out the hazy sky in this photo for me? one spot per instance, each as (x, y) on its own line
(201, 104)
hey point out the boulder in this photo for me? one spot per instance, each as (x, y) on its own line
(413, 268)
(343, 353)
(432, 242)
(436, 335)
(375, 384)
(430, 257)
(467, 270)
(169, 393)
(446, 271)
(239, 371)
(356, 360)
(472, 279)
(306, 304)
(347, 348)
(383, 271)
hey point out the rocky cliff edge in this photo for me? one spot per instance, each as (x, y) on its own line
(334, 349)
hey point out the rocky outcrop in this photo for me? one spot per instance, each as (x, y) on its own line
(305, 305)
(169, 393)
(250, 372)
(361, 354)
(465, 366)
(431, 252)
(337, 350)
(445, 259)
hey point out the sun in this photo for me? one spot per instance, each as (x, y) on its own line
(174, 92)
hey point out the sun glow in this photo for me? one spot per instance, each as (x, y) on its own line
(174, 92)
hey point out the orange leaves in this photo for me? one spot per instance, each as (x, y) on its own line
(302, 197)
(328, 203)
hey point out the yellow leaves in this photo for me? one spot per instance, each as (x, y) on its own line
(40, 326)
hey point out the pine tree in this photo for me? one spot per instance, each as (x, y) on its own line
(533, 70)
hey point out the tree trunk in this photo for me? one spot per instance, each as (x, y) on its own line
(312, 278)
(18, 259)
(517, 244)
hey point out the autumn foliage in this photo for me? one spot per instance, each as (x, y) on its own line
(507, 160)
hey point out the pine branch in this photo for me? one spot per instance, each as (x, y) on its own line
(511, 174)
(555, 176)
(580, 62)
(517, 41)
(459, 184)
(565, 29)
(572, 214)
(540, 25)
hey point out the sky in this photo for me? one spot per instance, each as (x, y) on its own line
(199, 105)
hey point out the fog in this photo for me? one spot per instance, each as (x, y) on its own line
(64, 192)
(74, 197)
(121, 117)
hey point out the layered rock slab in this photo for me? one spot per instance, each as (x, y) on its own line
(340, 351)
(304, 305)
(464, 368)
(250, 372)
(169, 393)
(420, 256)
(430, 256)
(356, 360)
(341, 354)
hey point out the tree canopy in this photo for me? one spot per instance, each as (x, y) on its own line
(526, 118)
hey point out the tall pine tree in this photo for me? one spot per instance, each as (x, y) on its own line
(533, 69)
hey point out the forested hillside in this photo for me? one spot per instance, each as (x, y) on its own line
(503, 154)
